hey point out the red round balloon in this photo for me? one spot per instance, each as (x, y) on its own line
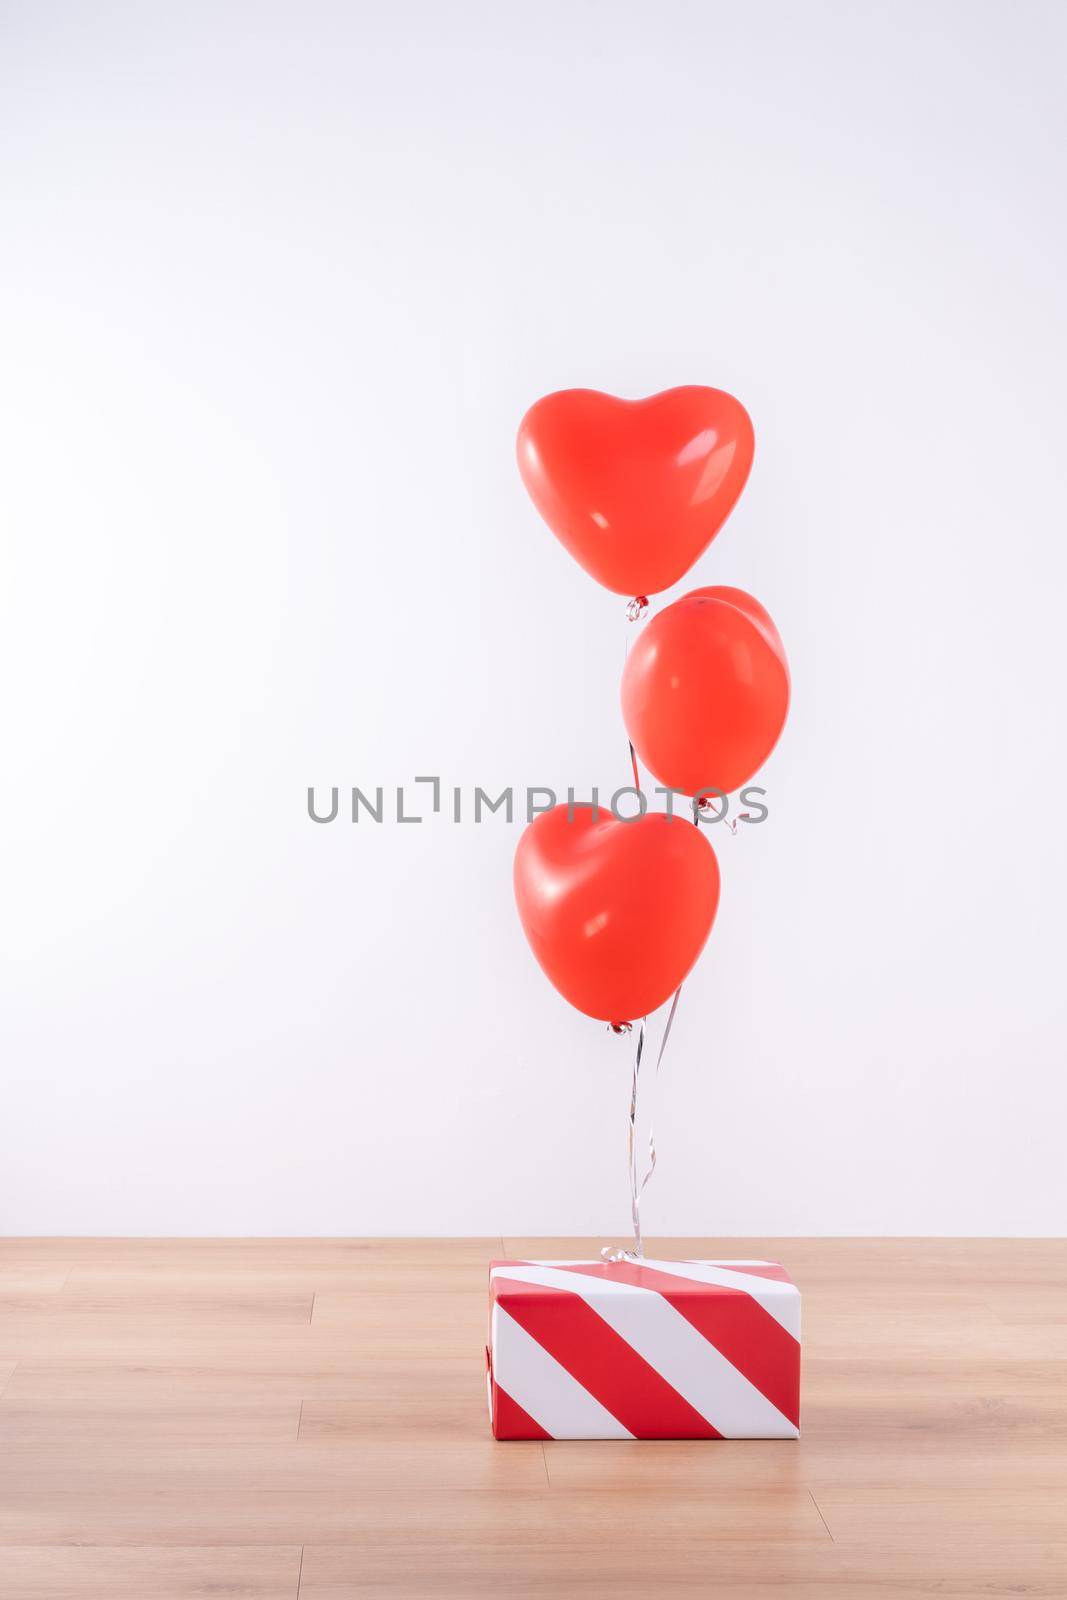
(616, 912)
(636, 489)
(705, 691)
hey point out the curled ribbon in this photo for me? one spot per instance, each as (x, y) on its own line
(638, 1184)
(706, 806)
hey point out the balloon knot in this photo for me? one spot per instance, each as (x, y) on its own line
(637, 607)
(620, 1027)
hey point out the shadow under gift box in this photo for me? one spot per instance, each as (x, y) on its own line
(643, 1350)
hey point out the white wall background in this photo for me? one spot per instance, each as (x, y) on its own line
(278, 282)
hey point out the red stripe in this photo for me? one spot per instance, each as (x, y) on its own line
(602, 1362)
(510, 1421)
(736, 1324)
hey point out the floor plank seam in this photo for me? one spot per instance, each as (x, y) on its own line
(822, 1519)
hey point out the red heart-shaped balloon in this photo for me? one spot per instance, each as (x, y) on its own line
(636, 489)
(616, 912)
(705, 691)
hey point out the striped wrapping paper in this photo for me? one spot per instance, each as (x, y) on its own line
(656, 1350)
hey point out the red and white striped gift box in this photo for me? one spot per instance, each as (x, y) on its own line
(649, 1350)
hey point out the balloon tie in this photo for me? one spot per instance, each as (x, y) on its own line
(706, 806)
(637, 608)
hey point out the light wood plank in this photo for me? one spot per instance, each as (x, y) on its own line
(1044, 1303)
(80, 1312)
(367, 1469)
(258, 1357)
(892, 1472)
(40, 1572)
(369, 1277)
(948, 1519)
(449, 1325)
(637, 1569)
(70, 1424)
(403, 1402)
(495, 1517)
(27, 1278)
(245, 1253)
(843, 1382)
(153, 1374)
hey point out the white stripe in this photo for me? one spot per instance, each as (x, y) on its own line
(692, 1365)
(544, 1389)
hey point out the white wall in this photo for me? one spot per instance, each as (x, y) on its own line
(278, 283)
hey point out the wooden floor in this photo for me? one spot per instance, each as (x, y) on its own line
(273, 1418)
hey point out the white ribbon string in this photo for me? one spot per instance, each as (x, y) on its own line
(635, 1191)
(638, 1183)
(635, 612)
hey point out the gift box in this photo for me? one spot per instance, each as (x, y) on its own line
(643, 1350)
